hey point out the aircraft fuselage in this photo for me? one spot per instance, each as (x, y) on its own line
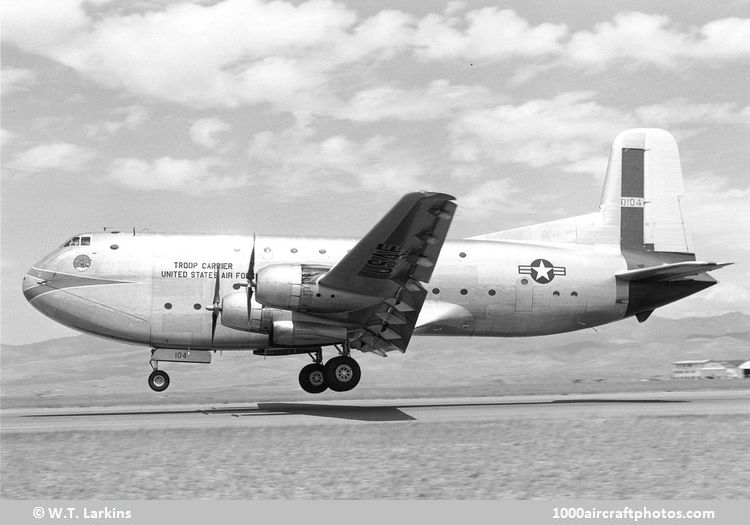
(152, 288)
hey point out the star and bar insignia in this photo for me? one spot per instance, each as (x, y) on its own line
(541, 270)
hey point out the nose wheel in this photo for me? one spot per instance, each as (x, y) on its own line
(158, 380)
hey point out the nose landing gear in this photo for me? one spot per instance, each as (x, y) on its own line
(158, 380)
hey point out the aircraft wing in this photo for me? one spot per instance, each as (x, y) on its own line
(669, 272)
(402, 248)
(390, 261)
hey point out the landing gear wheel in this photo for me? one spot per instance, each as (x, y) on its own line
(158, 380)
(342, 373)
(312, 378)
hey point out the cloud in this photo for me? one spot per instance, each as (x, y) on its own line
(298, 161)
(59, 156)
(568, 131)
(680, 112)
(193, 177)
(485, 34)
(488, 198)
(124, 118)
(309, 57)
(438, 100)
(16, 79)
(206, 131)
(572, 131)
(227, 53)
(648, 39)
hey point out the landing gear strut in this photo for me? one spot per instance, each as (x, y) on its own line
(340, 374)
(159, 379)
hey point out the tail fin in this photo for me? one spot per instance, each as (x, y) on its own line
(643, 206)
(644, 193)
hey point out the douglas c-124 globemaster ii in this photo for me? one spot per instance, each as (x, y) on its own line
(188, 295)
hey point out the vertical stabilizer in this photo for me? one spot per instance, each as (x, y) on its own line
(645, 194)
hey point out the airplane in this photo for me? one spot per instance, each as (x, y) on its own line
(187, 296)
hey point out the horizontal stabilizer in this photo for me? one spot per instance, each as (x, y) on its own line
(669, 272)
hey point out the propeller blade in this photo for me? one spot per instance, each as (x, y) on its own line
(214, 319)
(216, 287)
(250, 276)
(216, 307)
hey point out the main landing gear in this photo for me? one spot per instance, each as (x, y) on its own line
(340, 374)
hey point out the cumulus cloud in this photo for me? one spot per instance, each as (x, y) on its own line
(299, 57)
(571, 132)
(485, 34)
(487, 198)
(191, 176)
(640, 38)
(123, 118)
(206, 131)
(58, 156)
(682, 111)
(440, 99)
(566, 131)
(16, 79)
(298, 161)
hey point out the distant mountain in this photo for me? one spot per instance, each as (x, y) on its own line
(87, 368)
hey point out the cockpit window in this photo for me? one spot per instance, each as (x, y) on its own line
(78, 241)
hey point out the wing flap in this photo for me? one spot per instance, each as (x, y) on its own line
(669, 272)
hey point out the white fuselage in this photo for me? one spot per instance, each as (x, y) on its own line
(152, 289)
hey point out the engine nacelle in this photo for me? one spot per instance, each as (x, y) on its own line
(299, 333)
(285, 328)
(295, 287)
(235, 314)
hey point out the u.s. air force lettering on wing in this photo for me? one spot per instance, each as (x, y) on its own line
(383, 261)
(541, 270)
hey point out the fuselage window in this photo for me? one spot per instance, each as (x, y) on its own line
(462, 255)
(436, 291)
(492, 292)
(464, 291)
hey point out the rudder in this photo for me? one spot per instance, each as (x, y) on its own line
(644, 193)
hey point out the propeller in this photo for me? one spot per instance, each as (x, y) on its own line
(251, 277)
(215, 308)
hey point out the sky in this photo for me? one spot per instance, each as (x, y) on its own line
(288, 117)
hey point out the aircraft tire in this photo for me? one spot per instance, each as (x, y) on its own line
(312, 378)
(158, 380)
(342, 373)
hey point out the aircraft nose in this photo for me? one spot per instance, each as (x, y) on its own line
(34, 281)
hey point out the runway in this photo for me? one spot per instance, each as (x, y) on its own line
(697, 403)
(658, 445)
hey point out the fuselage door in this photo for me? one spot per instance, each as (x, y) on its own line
(524, 295)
